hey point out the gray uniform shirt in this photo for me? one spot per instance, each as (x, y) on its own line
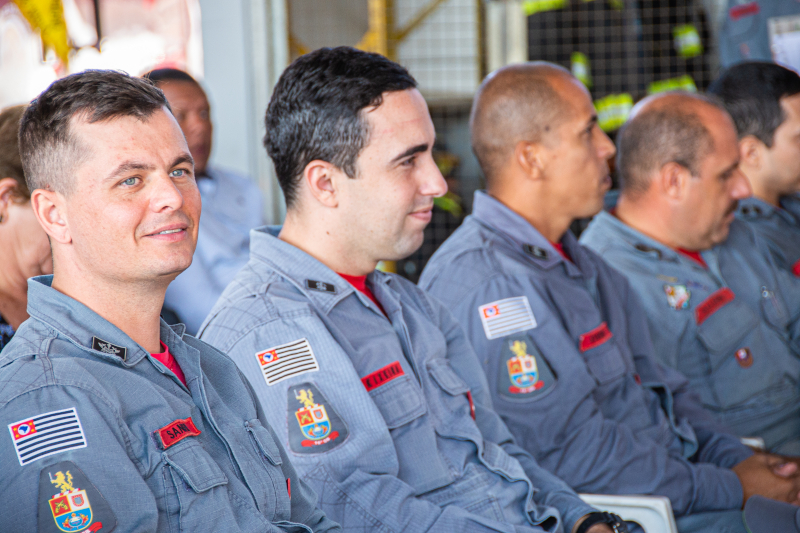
(106, 434)
(778, 227)
(732, 328)
(387, 416)
(571, 366)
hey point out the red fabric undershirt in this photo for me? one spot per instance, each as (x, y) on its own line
(560, 247)
(169, 361)
(694, 256)
(360, 283)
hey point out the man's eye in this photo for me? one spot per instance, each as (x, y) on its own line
(409, 162)
(130, 182)
(178, 173)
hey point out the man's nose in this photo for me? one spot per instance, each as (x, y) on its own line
(740, 187)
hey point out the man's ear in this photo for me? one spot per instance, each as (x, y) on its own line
(7, 187)
(49, 207)
(529, 157)
(320, 178)
(673, 180)
(751, 152)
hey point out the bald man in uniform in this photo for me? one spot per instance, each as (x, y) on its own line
(718, 308)
(561, 335)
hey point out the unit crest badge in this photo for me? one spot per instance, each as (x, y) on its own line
(77, 506)
(677, 296)
(526, 372)
(317, 427)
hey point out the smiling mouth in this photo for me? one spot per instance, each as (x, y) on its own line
(168, 231)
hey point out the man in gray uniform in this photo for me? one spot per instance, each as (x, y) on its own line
(764, 101)
(115, 420)
(372, 384)
(560, 334)
(717, 307)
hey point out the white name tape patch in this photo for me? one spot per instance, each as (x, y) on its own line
(286, 361)
(46, 434)
(505, 317)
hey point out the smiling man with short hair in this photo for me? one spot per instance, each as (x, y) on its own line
(116, 420)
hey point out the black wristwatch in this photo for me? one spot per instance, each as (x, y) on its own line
(610, 519)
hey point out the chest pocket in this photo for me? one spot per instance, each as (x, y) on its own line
(774, 309)
(400, 401)
(723, 330)
(456, 405)
(605, 361)
(194, 484)
(264, 442)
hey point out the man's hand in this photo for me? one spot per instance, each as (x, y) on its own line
(769, 476)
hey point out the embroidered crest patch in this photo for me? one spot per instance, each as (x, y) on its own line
(287, 360)
(314, 425)
(106, 347)
(525, 373)
(47, 434)
(677, 296)
(744, 357)
(70, 503)
(504, 317)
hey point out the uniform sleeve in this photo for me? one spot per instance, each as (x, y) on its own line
(564, 427)
(552, 491)
(354, 469)
(94, 442)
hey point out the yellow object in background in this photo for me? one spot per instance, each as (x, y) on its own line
(579, 65)
(529, 7)
(47, 16)
(687, 41)
(613, 110)
(682, 83)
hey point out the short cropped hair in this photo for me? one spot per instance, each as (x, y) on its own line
(10, 161)
(317, 110)
(164, 75)
(752, 92)
(50, 150)
(514, 104)
(660, 135)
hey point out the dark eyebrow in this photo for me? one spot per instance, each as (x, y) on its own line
(727, 172)
(183, 158)
(592, 121)
(411, 151)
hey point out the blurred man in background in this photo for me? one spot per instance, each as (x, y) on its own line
(764, 101)
(718, 308)
(232, 206)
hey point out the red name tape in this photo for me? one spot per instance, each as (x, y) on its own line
(744, 10)
(382, 375)
(596, 337)
(712, 304)
(177, 431)
(796, 269)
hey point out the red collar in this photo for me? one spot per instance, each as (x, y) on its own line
(693, 255)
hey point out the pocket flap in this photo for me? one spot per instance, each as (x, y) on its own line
(194, 465)
(722, 330)
(605, 362)
(399, 401)
(446, 377)
(264, 440)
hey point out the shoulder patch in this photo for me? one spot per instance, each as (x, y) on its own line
(106, 347)
(287, 360)
(69, 502)
(314, 425)
(504, 317)
(47, 434)
(321, 286)
(524, 372)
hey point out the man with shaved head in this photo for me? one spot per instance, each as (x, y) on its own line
(718, 308)
(561, 335)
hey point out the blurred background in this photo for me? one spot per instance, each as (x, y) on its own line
(621, 50)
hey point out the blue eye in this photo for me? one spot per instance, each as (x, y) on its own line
(129, 182)
(178, 173)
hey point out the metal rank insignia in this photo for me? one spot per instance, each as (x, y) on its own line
(526, 373)
(677, 296)
(317, 426)
(76, 506)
